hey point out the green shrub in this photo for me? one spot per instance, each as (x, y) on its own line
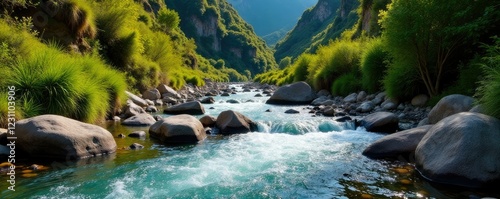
(373, 66)
(345, 85)
(489, 91)
(402, 81)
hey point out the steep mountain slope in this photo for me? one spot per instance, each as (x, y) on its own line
(220, 33)
(271, 19)
(317, 26)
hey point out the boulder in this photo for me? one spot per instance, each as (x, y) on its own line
(462, 149)
(179, 129)
(381, 122)
(152, 94)
(318, 101)
(361, 96)
(208, 121)
(390, 104)
(132, 109)
(365, 107)
(292, 111)
(258, 95)
(328, 103)
(192, 108)
(167, 91)
(208, 100)
(450, 105)
(232, 122)
(400, 144)
(420, 100)
(328, 111)
(351, 98)
(137, 134)
(477, 109)
(58, 137)
(170, 100)
(136, 99)
(143, 119)
(296, 93)
(152, 109)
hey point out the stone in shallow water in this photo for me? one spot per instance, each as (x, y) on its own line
(296, 93)
(136, 146)
(179, 129)
(137, 134)
(381, 122)
(232, 122)
(292, 111)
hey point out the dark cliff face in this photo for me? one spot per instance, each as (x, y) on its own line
(326, 21)
(220, 33)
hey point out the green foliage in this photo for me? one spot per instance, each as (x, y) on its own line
(373, 65)
(169, 19)
(345, 85)
(490, 86)
(436, 31)
(285, 62)
(402, 82)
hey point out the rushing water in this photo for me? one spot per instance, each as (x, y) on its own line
(291, 156)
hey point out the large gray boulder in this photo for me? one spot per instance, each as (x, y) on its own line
(232, 122)
(136, 99)
(152, 94)
(132, 109)
(400, 144)
(296, 93)
(381, 122)
(462, 149)
(450, 105)
(179, 129)
(167, 91)
(191, 108)
(58, 137)
(143, 119)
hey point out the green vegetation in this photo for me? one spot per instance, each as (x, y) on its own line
(317, 26)
(373, 65)
(490, 86)
(220, 33)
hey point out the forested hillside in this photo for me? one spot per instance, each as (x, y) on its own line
(317, 26)
(221, 34)
(269, 22)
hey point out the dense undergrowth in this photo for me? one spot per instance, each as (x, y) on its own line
(80, 56)
(406, 48)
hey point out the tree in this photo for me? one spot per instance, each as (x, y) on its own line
(168, 19)
(287, 61)
(426, 33)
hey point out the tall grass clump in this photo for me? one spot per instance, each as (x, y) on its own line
(339, 58)
(77, 15)
(345, 85)
(489, 91)
(373, 66)
(301, 67)
(402, 81)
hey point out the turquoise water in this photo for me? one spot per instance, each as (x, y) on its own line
(291, 156)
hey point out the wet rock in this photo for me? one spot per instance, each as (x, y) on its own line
(389, 104)
(121, 135)
(296, 93)
(258, 95)
(139, 120)
(208, 121)
(328, 103)
(397, 145)
(225, 94)
(450, 105)
(158, 117)
(232, 122)
(365, 107)
(53, 136)
(167, 91)
(152, 109)
(328, 111)
(343, 119)
(361, 96)
(351, 98)
(152, 94)
(292, 111)
(137, 134)
(208, 100)
(420, 100)
(131, 109)
(192, 108)
(381, 122)
(462, 150)
(232, 101)
(159, 102)
(318, 101)
(136, 146)
(170, 100)
(268, 110)
(179, 129)
(136, 100)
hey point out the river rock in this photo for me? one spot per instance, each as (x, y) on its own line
(296, 93)
(208, 121)
(233, 101)
(225, 94)
(136, 146)
(192, 108)
(143, 119)
(54, 136)
(152, 109)
(136, 99)
(381, 122)
(167, 91)
(158, 102)
(390, 104)
(477, 109)
(150, 102)
(423, 122)
(208, 100)
(137, 134)
(292, 111)
(462, 149)
(323, 93)
(132, 109)
(400, 144)
(351, 98)
(318, 101)
(179, 129)
(328, 111)
(420, 100)
(361, 96)
(232, 122)
(152, 94)
(258, 95)
(450, 105)
(170, 100)
(366, 107)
